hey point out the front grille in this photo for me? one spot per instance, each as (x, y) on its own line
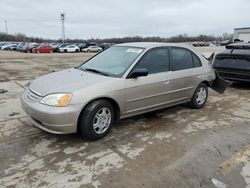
(31, 96)
(234, 73)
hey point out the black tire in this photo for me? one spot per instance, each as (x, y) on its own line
(77, 50)
(65, 51)
(87, 118)
(196, 103)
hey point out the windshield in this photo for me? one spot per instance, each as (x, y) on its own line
(114, 61)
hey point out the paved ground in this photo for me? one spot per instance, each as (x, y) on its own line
(176, 147)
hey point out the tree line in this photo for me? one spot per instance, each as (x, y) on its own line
(179, 38)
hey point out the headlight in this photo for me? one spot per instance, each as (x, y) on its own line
(58, 100)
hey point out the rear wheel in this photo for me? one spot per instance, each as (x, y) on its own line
(96, 120)
(65, 51)
(200, 96)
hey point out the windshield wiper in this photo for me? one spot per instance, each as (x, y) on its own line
(79, 68)
(96, 71)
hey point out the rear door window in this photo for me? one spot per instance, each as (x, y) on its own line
(181, 59)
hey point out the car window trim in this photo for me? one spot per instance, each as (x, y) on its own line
(193, 54)
(160, 47)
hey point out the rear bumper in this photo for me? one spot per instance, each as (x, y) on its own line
(57, 120)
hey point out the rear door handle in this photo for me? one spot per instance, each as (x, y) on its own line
(166, 81)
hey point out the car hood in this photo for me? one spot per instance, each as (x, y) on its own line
(67, 80)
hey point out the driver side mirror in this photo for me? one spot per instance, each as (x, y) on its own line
(138, 73)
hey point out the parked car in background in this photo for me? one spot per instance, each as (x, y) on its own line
(233, 63)
(69, 48)
(82, 46)
(92, 49)
(105, 46)
(29, 47)
(225, 42)
(200, 44)
(56, 47)
(10, 47)
(123, 81)
(7, 46)
(2, 44)
(43, 49)
(20, 46)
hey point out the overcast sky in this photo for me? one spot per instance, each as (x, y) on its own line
(119, 18)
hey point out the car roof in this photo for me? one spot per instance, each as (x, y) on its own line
(239, 45)
(149, 45)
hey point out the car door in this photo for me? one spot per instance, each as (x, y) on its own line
(92, 48)
(187, 68)
(43, 49)
(154, 90)
(69, 48)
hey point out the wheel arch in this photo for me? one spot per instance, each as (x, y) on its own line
(207, 83)
(114, 103)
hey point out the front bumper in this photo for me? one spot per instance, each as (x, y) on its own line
(57, 120)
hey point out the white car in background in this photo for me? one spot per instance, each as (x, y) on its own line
(70, 48)
(6, 46)
(92, 49)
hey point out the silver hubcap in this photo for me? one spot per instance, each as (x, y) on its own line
(102, 120)
(201, 96)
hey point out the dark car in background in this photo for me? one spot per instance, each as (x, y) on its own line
(81, 46)
(105, 46)
(29, 47)
(233, 63)
(56, 47)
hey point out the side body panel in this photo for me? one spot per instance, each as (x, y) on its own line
(152, 91)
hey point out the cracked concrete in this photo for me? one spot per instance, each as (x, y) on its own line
(175, 147)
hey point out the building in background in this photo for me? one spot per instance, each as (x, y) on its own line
(242, 34)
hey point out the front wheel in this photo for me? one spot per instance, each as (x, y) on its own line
(200, 96)
(96, 120)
